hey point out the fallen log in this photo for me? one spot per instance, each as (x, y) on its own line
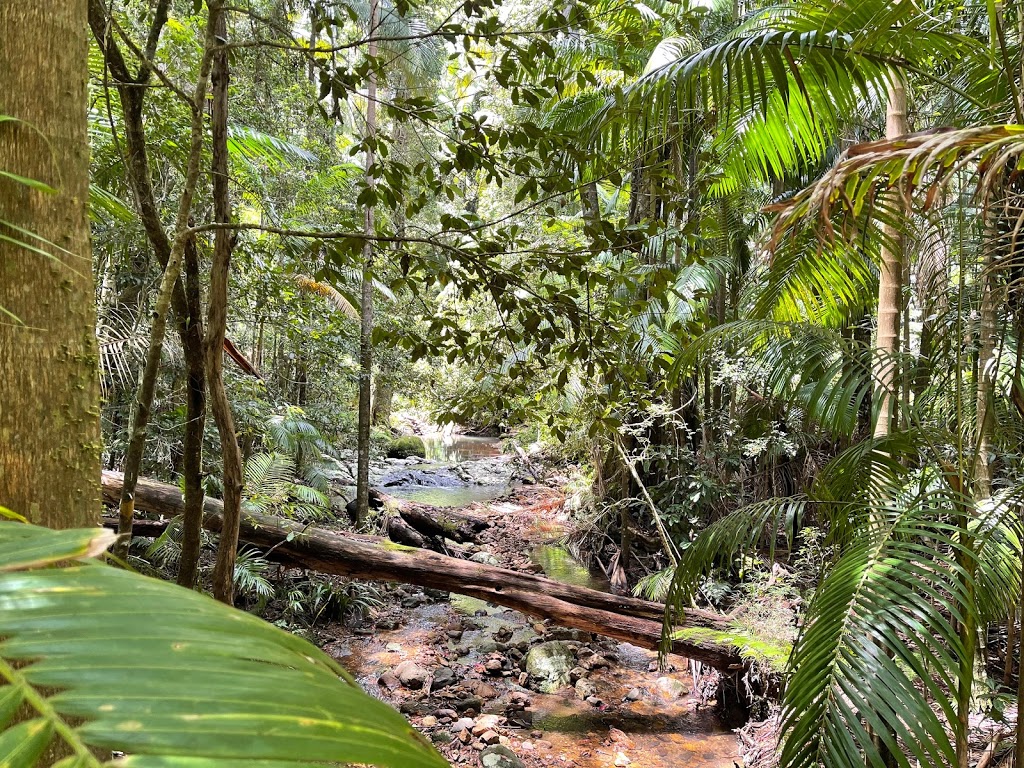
(442, 524)
(623, 618)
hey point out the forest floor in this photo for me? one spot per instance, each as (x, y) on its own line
(457, 667)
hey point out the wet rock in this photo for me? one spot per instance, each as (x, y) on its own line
(585, 689)
(500, 756)
(670, 688)
(548, 665)
(414, 707)
(470, 702)
(443, 677)
(485, 558)
(411, 675)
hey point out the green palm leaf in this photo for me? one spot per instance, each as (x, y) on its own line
(110, 660)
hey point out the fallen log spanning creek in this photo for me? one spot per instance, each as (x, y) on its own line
(515, 668)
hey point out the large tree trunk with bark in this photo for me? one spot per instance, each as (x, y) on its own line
(49, 387)
(366, 557)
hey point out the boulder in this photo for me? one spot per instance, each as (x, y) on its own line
(485, 558)
(411, 675)
(406, 446)
(499, 756)
(670, 688)
(548, 665)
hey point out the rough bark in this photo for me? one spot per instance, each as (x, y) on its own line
(366, 557)
(49, 387)
(366, 308)
(217, 318)
(442, 524)
(190, 328)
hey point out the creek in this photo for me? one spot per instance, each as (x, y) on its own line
(636, 715)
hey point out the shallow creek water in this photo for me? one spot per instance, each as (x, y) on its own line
(659, 730)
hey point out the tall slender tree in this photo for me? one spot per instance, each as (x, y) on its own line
(49, 388)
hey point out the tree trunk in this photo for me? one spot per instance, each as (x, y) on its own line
(217, 318)
(49, 387)
(890, 287)
(366, 557)
(890, 305)
(366, 310)
(383, 395)
(186, 299)
(169, 282)
(190, 329)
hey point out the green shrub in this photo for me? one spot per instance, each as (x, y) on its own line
(406, 446)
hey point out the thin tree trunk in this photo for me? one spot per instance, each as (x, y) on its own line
(191, 331)
(890, 288)
(49, 386)
(217, 317)
(147, 383)
(186, 300)
(890, 306)
(366, 309)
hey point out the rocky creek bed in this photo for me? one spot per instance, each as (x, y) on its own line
(491, 687)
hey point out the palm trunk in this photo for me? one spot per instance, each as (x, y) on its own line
(49, 389)
(216, 320)
(366, 310)
(890, 306)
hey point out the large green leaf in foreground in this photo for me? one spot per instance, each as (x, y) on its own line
(103, 658)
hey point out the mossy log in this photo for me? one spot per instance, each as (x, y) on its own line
(619, 617)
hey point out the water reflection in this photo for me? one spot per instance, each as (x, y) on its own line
(457, 448)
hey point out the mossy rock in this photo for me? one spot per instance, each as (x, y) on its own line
(404, 447)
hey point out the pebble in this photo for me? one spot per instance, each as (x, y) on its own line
(429, 721)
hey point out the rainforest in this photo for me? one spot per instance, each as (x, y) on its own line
(511, 383)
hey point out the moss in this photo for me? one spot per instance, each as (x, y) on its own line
(390, 546)
(772, 655)
(406, 446)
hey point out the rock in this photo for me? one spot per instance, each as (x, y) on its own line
(428, 721)
(443, 677)
(411, 674)
(493, 666)
(463, 724)
(585, 688)
(486, 723)
(621, 760)
(670, 688)
(446, 714)
(619, 737)
(485, 558)
(595, 662)
(470, 702)
(489, 737)
(389, 681)
(576, 673)
(548, 665)
(414, 707)
(393, 647)
(499, 756)
(634, 694)
(594, 701)
(406, 446)
(441, 737)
